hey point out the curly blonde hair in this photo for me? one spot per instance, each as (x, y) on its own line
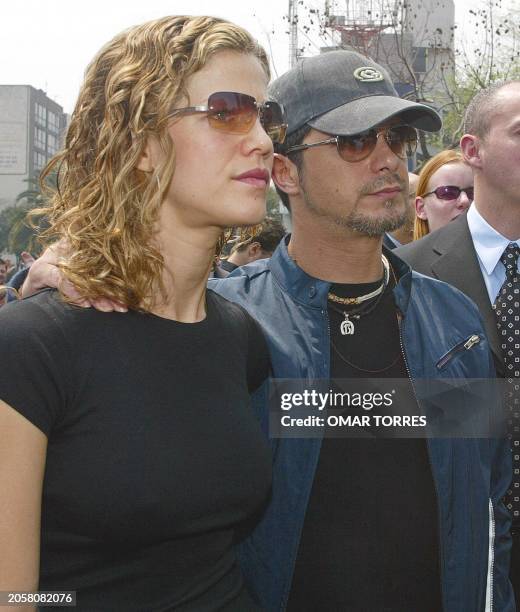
(104, 207)
(421, 227)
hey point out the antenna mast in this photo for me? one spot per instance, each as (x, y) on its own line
(293, 32)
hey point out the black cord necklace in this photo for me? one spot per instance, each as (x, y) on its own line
(357, 314)
(347, 327)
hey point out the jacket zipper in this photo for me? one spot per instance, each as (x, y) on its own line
(465, 345)
(285, 598)
(441, 555)
(491, 563)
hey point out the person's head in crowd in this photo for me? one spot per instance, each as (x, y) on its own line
(491, 146)
(164, 147)
(259, 246)
(444, 191)
(3, 271)
(343, 163)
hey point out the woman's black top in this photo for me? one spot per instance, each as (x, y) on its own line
(154, 457)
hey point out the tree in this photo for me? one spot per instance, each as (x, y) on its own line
(17, 232)
(273, 204)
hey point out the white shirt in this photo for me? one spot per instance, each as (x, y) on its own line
(489, 245)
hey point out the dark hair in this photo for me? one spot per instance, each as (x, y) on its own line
(477, 118)
(270, 234)
(292, 140)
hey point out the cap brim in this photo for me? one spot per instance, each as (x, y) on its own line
(365, 113)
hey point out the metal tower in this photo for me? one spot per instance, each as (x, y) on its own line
(292, 17)
(359, 23)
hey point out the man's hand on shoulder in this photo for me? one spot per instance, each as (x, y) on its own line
(45, 273)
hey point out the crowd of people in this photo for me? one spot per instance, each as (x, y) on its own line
(138, 465)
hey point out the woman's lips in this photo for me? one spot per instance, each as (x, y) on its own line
(257, 178)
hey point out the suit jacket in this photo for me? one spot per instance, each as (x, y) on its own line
(449, 255)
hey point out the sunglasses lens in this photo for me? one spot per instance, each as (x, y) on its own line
(452, 192)
(273, 121)
(356, 148)
(448, 192)
(236, 113)
(402, 140)
(231, 112)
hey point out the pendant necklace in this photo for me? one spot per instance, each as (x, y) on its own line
(347, 327)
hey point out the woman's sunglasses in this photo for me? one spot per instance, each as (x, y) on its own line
(402, 140)
(450, 192)
(236, 113)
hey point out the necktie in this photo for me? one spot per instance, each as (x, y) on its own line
(507, 310)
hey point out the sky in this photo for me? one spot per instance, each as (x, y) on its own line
(48, 43)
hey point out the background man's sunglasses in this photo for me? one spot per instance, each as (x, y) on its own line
(236, 113)
(450, 192)
(402, 140)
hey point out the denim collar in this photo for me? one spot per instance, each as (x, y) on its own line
(313, 292)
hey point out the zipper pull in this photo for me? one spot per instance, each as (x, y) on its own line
(471, 342)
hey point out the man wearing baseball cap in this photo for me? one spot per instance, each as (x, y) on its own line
(366, 524)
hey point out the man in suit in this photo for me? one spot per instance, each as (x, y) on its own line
(479, 252)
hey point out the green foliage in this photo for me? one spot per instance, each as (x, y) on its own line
(273, 204)
(16, 232)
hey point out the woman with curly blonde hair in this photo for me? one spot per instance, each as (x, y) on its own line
(444, 191)
(126, 465)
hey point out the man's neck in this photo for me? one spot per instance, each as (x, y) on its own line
(238, 259)
(502, 214)
(341, 257)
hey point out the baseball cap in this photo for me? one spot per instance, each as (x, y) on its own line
(344, 93)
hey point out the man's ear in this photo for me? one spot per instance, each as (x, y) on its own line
(254, 249)
(470, 147)
(420, 211)
(285, 175)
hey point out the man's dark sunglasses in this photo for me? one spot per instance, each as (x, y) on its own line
(450, 192)
(236, 113)
(402, 140)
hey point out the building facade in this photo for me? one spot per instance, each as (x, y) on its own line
(31, 126)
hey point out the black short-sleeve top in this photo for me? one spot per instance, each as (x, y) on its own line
(154, 457)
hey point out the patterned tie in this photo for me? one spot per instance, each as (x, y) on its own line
(507, 310)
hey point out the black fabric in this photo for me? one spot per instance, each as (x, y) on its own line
(154, 456)
(370, 537)
(389, 243)
(227, 265)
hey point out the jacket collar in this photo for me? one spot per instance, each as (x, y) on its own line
(313, 291)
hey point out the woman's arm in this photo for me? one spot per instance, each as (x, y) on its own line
(22, 462)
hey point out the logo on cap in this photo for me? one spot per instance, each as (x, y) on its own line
(367, 74)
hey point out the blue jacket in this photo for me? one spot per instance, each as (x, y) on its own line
(471, 475)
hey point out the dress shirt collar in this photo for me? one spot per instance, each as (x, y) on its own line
(489, 244)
